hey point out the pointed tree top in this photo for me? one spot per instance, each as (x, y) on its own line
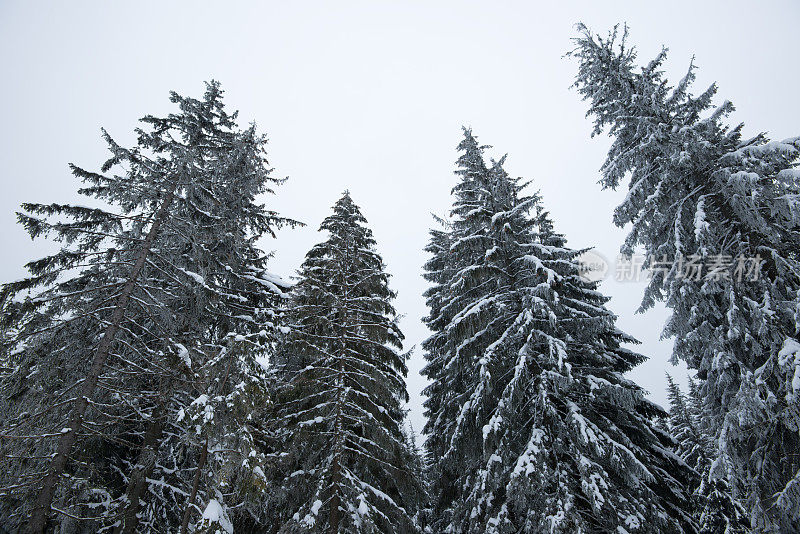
(346, 202)
(345, 209)
(470, 141)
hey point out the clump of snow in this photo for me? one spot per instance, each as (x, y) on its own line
(202, 400)
(194, 276)
(263, 361)
(492, 425)
(540, 267)
(259, 472)
(215, 514)
(526, 462)
(788, 357)
(701, 226)
(362, 511)
(790, 348)
(593, 487)
(317, 420)
(183, 354)
(271, 281)
(311, 517)
(632, 522)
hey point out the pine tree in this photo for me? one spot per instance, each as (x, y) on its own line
(418, 466)
(341, 458)
(532, 426)
(718, 217)
(715, 511)
(685, 426)
(450, 371)
(152, 288)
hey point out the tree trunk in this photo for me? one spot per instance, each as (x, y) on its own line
(66, 441)
(335, 516)
(195, 484)
(142, 470)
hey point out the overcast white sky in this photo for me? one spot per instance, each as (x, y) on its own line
(370, 96)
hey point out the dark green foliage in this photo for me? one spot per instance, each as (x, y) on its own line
(342, 463)
(698, 190)
(532, 426)
(715, 511)
(200, 312)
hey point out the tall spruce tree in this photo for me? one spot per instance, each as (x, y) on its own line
(719, 218)
(714, 509)
(341, 460)
(531, 425)
(158, 300)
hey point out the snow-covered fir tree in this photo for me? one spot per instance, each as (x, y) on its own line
(531, 425)
(419, 469)
(340, 460)
(718, 216)
(715, 511)
(133, 351)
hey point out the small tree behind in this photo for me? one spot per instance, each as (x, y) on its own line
(340, 443)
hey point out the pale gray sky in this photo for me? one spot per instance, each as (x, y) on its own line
(370, 96)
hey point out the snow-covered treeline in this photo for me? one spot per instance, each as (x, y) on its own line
(156, 377)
